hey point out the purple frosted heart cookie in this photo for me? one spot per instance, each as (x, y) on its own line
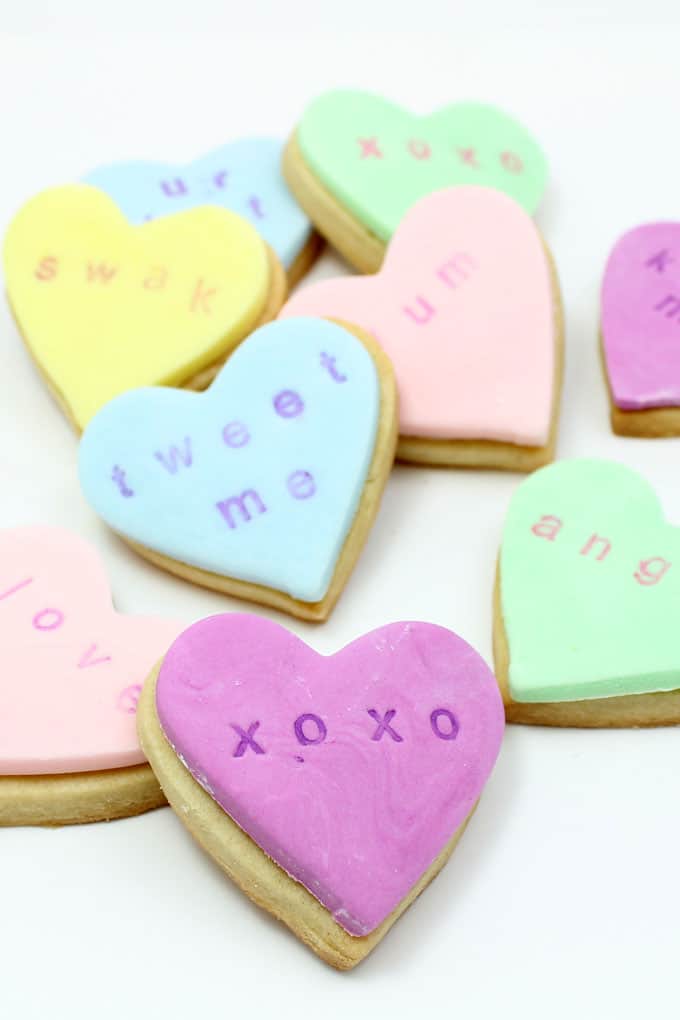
(332, 789)
(641, 331)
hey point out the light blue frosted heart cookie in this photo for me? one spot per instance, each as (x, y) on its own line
(588, 600)
(243, 176)
(266, 485)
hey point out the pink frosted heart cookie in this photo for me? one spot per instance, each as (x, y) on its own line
(71, 676)
(641, 331)
(467, 307)
(331, 789)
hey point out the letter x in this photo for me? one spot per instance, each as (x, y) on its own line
(468, 157)
(369, 147)
(247, 740)
(384, 724)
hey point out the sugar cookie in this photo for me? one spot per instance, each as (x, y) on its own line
(641, 331)
(467, 307)
(244, 176)
(104, 306)
(587, 597)
(265, 486)
(356, 163)
(72, 673)
(331, 789)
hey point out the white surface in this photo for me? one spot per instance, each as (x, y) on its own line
(563, 898)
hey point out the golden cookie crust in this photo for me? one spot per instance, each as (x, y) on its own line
(305, 259)
(78, 797)
(649, 423)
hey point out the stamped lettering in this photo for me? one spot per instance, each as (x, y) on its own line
(598, 548)
(50, 619)
(468, 157)
(384, 726)
(174, 188)
(99, 274)
(660, 260)
(118, 478)
(288, 404)
(310, 730)
(368, 147)
(241, 509)
(444, 724)
(15, 588)
(129, 698)
(423, 149)
(236, 434)
(247, 740)
(90, 658)
(329, 363)
(175, 456)
(451, 275)
(670, 306)
(244, 507)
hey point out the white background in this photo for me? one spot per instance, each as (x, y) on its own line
(563, 898)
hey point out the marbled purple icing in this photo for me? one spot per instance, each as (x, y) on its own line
(351, 771)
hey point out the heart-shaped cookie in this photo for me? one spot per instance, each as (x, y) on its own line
(357, 163)
(105, 306)
(641, 331)
(244, 176)
(266, 485)
(467, 308)
(332, 789)
(72, 672)
(587, 600)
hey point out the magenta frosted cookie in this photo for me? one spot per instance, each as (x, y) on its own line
(331, 789)
(640, 325)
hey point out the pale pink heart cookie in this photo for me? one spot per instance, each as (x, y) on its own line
(72, 670)
(467, 307)
(641, 330)
(331, 789)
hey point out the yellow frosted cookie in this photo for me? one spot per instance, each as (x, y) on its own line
(105, 307)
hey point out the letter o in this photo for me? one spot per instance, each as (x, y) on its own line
(55, 618)
(288, 404)
(446, 734)
(300, 732)
(419, 148)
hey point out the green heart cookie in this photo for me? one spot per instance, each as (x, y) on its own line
(377, 159)
(589, 585)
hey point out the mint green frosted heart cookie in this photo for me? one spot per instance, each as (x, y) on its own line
(589, 592)
(377, 159)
